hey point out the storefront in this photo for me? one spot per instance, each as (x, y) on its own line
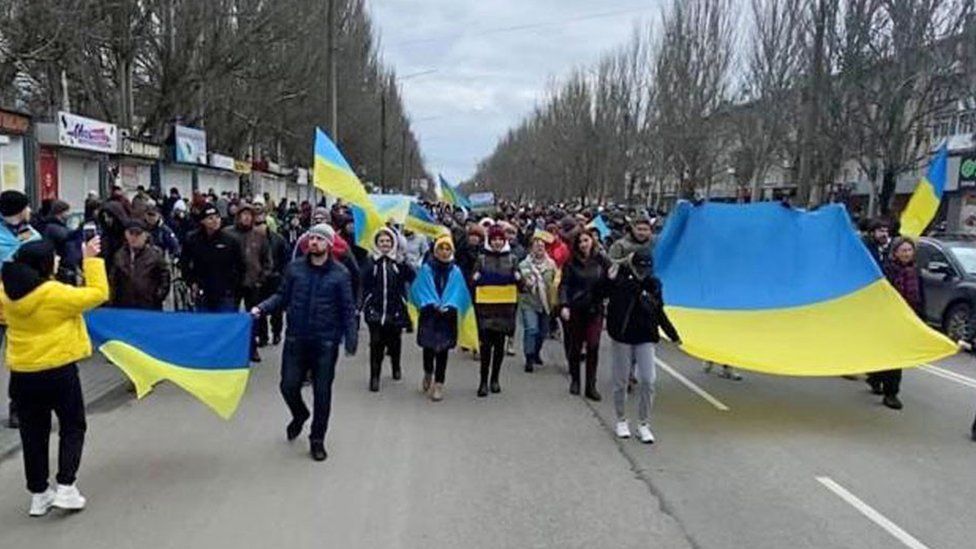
(137, 161)
(271, 178)
(15, 151)
(298, 189)
(74, 158)
(219, 175)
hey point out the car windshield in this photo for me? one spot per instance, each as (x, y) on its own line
(966, 257)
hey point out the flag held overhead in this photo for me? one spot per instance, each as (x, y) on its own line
(785, 291)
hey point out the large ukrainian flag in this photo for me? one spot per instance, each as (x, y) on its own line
(208, 355)
(335, 177)
(785, 291)
(924, 203)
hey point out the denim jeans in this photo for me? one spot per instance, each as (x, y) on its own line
(298, 358)
(535, 329)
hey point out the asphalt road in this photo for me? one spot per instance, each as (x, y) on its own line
(798, 463)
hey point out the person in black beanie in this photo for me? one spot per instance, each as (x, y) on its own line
(15, 230)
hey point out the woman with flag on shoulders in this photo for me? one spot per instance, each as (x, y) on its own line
(438, 292)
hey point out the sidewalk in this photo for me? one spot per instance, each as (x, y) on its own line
(98, 379)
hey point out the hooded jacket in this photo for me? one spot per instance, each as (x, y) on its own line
(635, 310)
(385, 281)
(45, 327)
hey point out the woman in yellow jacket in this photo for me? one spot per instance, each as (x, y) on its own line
(46, 337)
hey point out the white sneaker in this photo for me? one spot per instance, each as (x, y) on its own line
(69, 498)
(41, 503)
(622, 429)
(644, 433)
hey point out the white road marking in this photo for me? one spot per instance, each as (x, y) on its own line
(949, 375)
(872, 514)
(691, 385)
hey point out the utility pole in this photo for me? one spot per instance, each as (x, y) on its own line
(403, 160)
(333, 80)
(383, 140)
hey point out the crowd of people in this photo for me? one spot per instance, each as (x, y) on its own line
(299, 270)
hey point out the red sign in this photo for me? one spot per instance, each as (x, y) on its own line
(11, 122)
(47, 173)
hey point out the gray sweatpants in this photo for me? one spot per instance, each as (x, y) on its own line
(642, 356)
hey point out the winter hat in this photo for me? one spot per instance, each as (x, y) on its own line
(643, 219)
(322, 214)
(12, 203)
(444, 240)
(476, 230)
(38, 255)
(325, 231)
(496, 231)
(544, 236)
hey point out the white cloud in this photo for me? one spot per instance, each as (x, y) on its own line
(489, 72)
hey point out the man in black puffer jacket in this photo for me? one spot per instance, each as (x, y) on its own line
(317, 295)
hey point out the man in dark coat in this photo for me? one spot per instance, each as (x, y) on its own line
(317, 294)
(213, 265)
(140, 277)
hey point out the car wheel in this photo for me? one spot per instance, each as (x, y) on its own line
(958, 323)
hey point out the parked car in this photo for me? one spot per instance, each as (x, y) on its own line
(948, 267)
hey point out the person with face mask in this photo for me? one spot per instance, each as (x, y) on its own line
(635, 313)
(496, 295)
(46, 338)
(316, 294)
(386, 277)
(437, 327)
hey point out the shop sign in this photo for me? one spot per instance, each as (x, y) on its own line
(13, 123)
(242, 167)
(85, 133)
(131, 147)
(967, 171)
(222, 162)
(191, 145)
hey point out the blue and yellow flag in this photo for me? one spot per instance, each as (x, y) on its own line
(208, 355)
(419, 221)
(456, 296)
(784, 291)
(451, 195)
(601, 227)
(924, 203)
(335, 177)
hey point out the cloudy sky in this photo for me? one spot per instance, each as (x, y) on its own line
(486, 63)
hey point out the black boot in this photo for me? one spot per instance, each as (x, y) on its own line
(483, 389)
(529, 365)
(591, 392)
(295, 428)
(495, 371)
(397, 373)
(485, 368)
(892, 401)
(374, 384)
(375, 367)
(318, 450)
